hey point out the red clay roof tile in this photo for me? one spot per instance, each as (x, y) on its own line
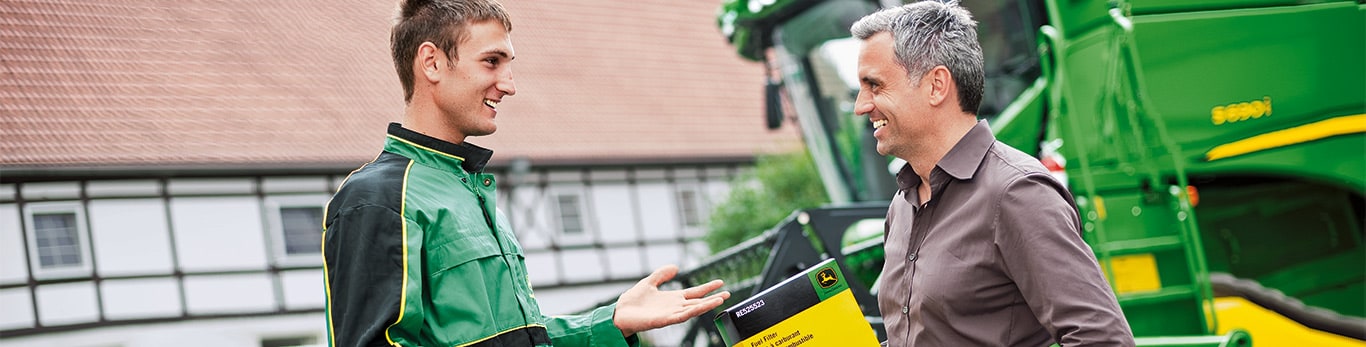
(159, 82)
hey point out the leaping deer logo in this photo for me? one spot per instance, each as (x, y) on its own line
(827, 278)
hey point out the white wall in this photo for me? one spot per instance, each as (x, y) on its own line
(141, 298)
(16, 304)
(234, 332)
(67, 303)
(219, 234)
(130, 237)
(13, 262)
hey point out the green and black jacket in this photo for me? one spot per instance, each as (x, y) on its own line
(415, 253)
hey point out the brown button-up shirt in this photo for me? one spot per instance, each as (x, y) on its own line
(994, 258)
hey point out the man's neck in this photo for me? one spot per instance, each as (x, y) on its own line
(935, 147)
(424, 119)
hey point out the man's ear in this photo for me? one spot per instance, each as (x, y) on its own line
(941, 84)
(429, 62)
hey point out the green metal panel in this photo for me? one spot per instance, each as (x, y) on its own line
(1136, 102)
(1074, 95)
(1336, 161)
(1018, 125)
(1076, 17)
(1306, 60)
(1141, 7)
(1235, 338)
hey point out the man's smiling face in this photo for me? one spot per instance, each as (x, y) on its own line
(477, 80)
(893, 103)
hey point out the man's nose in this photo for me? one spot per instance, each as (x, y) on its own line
(506, 85)
(863, 104)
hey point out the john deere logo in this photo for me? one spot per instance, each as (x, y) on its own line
(827, 278)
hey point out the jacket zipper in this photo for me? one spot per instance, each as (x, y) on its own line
(488, 219)
(502, 252)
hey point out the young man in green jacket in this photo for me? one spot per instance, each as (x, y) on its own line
(415, 252)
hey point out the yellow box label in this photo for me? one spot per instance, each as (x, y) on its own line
(836, 321)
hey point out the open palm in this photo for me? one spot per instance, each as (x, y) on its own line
(645, 307)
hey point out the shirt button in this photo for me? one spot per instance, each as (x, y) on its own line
(487, 182)
(905, 309)
(911, 257)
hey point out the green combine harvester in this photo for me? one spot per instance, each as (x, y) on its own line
(1216, 149)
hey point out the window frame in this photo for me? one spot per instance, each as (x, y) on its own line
(86, 267)
(279, 252)
(700, 204)
(557, 215)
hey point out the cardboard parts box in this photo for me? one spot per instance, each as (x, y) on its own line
(814, 308)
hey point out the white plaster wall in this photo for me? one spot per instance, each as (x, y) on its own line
(229, 294)
(303, 289)
(140, 298)
(67, 303)
(13, 263)
(566, 301)
(235, 332)
(7, 192)
(664, 254)
(218, 233)
(614, 212)
(309, 184)
(189, 186)
(582, 265)
(627, 262)
(659, 212)
(542, 268)
(123, 188)
(51, 190)
(16, 308)
(130, 237)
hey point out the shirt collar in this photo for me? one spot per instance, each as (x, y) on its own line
(906, 179)
(961, 161)
(429, 149)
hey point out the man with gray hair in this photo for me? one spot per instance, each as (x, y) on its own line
(983, 246)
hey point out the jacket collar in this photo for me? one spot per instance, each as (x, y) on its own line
(431, 150)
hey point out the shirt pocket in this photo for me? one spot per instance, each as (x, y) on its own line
(465, 246)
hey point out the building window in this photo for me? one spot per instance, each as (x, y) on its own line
(302, 227)
(571, 214)
(57, 240)
(690, 208)
(296, 223)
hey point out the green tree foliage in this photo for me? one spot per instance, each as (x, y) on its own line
(758, 200)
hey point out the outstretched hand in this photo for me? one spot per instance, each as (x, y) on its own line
(645, 307)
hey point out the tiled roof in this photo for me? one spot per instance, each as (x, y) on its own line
(186, 83)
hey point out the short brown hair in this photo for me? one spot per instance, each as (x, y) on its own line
(441, 22)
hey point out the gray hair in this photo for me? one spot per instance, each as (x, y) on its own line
(932, 33)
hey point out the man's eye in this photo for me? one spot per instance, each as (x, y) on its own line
(491, 61)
